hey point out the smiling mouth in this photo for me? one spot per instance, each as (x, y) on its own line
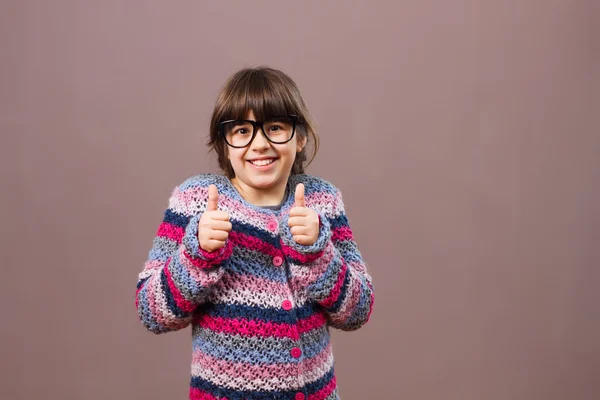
(262, 163)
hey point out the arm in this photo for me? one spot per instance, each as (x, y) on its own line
(178, 274)
(332, 270)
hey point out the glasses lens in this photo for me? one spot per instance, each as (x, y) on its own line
(238, 133)
(280, 129)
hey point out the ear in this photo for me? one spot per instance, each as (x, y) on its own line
(301, 143)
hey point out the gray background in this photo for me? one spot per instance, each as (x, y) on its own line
(463, 134)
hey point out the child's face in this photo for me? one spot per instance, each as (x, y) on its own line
(264, 176)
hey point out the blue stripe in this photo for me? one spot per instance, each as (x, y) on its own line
(279, 315)
(360, 311)
(187, 285)
(351, 256)
(199, 383)
(312, 348)
(200, 181)
(162, 249)
(178, 312)
(175, 218)
(255, 266)
(341, 221)
(219, 345)
(328, 278)
(338, 303)
(251, 230)
(250, 356)
(141, 282)
(146, 314)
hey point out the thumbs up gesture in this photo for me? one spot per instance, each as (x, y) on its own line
(214, 225)
(303, 221)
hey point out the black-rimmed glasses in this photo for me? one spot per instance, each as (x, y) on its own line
(241, 132)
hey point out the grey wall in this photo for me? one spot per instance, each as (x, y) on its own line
(464, 136)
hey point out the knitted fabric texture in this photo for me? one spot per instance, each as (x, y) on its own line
(260, 308)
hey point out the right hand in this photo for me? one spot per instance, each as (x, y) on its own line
(214, 225)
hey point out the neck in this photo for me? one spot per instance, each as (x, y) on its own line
(270, 196)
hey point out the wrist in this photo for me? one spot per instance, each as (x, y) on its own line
(198, 255)
(305, 253)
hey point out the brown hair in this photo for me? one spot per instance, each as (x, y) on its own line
(267, 92)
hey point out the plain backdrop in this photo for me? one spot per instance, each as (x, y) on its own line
(464, 136)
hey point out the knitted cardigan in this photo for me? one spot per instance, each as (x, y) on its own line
(260, 308)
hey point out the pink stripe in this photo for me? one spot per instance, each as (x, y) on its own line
(235, 370)
(161, 315)
(238, 208)
(304, 276)
(247, 328)
(253, 243)
(257, 284)
(153, 264)
(351, 301)
(210, 259)
(244, 370)
(204, 276)
(137, 292)
(335, 292)
(193, 196)
(259, 328)
(315, 321)
(342, 233)
(170, 231)
(198, 394)
(317, 362)
(319, 198)
(303, 258)
(325, 391)
(181, 302)
(150, 290)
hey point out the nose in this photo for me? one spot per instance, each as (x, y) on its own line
(260, 142)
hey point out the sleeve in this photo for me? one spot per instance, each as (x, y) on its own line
(177, 275)
(332, 270)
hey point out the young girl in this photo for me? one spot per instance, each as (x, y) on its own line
(260, 261)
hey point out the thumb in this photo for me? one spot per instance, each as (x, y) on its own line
(299, 195)
(213, 198)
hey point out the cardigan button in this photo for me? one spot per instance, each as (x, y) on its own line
(300, 396)
(296, 352)
(277, 261)
(286, 305)
(272, 226)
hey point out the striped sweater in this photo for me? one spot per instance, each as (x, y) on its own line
(261, 307)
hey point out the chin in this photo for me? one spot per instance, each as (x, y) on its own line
(263, 182)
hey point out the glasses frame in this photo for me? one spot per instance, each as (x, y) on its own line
(258, 124)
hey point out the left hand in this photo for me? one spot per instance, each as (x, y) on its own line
(303, 221)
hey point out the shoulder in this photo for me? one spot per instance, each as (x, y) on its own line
(314, 184)
(320, 194)
(201, 181)
(190, 196)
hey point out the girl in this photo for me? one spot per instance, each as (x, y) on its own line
(260, 261)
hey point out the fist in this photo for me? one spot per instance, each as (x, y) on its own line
(214, 225)
(303, 221)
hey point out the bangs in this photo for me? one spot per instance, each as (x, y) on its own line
(255, 92)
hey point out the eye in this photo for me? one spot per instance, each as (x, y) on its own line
(239, 128)
(275, 128)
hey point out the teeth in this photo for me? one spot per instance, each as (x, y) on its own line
(261, 163)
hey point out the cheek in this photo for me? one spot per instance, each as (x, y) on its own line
(235, 156)
(290, 153)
